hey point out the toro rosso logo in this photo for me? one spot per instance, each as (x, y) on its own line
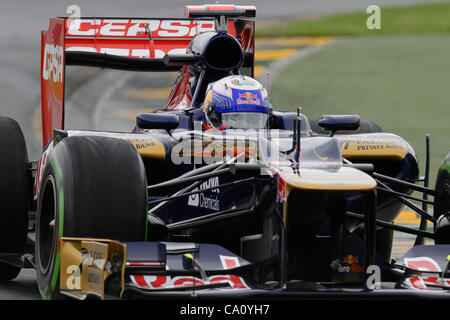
(350, 264)
(248, 98)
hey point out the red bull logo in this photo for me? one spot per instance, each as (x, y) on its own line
(248, 98)
(350, 259)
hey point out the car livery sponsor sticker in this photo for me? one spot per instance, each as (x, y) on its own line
(53, 67)
(281, 189)
(425, 282)
(350, 259)
(138, 28)
(145, 38)
(248, 98)
(159, 282)
(350, 263)
(373, 147)
(207, 202)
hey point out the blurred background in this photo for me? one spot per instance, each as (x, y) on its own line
(317, 54)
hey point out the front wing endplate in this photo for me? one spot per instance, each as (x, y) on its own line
(87, 263)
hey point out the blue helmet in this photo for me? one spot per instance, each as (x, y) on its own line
(236, 102)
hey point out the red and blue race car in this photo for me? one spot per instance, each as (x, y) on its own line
(215, 194)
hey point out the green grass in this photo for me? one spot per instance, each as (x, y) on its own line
(400, 82)
(411, 20)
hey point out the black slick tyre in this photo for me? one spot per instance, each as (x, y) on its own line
(15, 192)
(92, 187)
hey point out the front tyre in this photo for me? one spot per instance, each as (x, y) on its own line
(92, 187)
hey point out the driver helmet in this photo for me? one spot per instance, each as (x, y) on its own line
(236, 102)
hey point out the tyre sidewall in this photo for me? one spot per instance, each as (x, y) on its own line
(48, 282)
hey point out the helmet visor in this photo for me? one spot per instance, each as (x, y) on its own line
(245, 120)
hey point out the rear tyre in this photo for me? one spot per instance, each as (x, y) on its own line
(14, 190)
(92, 187)
(442, 203)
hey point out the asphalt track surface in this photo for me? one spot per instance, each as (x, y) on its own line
(20, 25)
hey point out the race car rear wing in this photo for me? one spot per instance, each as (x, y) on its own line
(135, 44)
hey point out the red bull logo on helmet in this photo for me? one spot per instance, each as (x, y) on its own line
(248, 98)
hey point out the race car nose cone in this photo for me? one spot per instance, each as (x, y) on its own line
(344, 178)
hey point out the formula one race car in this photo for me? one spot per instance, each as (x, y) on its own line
(215, 194)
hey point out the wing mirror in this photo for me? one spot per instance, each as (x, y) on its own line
(157, 121)
(335, 123)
